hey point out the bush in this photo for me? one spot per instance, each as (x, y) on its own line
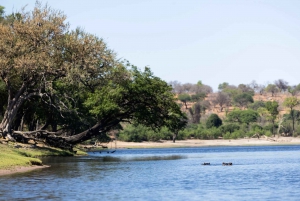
(213, 121)
(231, 127)
(268, 133)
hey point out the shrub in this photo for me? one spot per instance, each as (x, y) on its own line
(231, 127)
(213, 121)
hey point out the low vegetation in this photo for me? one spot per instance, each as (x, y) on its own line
(14, 155)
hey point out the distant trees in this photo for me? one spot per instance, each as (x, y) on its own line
(291, 103)
(243, 116)
(256, 104)
(272, 107)
(260, 115)
(223, 85)
(273, 89)
(1, 13)
(222, 99)
(281, 84)
(184, 98)
(242, 100)
(213, 121)
(246, 89)
(294, 90)
(189, 88)
(195, 113)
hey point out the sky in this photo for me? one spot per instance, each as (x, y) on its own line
(215, 41)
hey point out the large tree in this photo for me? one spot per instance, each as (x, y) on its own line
(73, 72)
(291, 103)
(222, 99)
(272, 107)
(243, 99)
(272, 88)
(243, 116)
(184, 98)
(281, 84)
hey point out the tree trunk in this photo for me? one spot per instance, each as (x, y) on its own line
(273, 128)
(174, 137)
(13, 105)
(57, 139)
(293, 120)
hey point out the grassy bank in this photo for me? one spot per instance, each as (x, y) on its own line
(13, 155)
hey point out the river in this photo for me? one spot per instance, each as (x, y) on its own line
(257, 173)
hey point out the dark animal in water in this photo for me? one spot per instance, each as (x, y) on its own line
(205, 163)
(227, 164)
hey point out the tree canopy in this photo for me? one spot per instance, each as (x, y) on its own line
(243, 116)
(75, 78)
(213, 121)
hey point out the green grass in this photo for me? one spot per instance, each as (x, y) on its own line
(13, 157)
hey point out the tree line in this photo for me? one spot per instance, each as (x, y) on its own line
(241, 116)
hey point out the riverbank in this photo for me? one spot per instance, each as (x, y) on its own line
(216, 142)
(20, 169)
(17, 157)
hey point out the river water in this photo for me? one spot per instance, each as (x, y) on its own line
(257, 173)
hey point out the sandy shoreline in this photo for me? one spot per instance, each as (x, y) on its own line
(21, 169)
(199, 143)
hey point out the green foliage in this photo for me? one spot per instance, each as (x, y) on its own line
(145, 99)
(195, 112)
(246, 89)
(12, 157)
(213, 121)
(294, 90)
(243, 116)
(184, 98)
(291, 102)
(196, 97)
(243, 99)
(199, 83)
(232, 91)
(234, 135)
(211, 133)
(139, 133)
(272, 88)
(229, 128)
(256, 104)
(1, 13)
(223, 85)
(272, 107)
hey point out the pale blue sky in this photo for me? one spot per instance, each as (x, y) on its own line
(215, 41)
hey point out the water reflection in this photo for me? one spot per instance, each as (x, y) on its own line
(144, 158)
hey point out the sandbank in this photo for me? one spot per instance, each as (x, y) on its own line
(21, 169)
(263, 141)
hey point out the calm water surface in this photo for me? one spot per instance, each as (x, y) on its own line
(261, 173)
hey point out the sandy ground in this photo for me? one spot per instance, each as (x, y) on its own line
(199, 143)
(20, 169)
